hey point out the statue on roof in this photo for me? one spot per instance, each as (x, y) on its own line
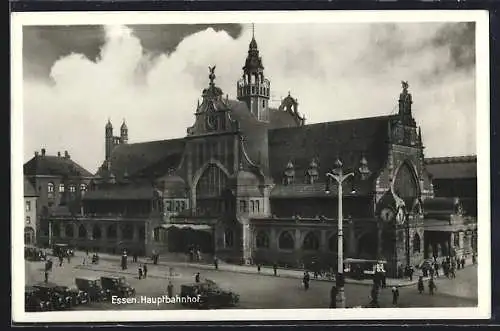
(212, 74)
(405, 100)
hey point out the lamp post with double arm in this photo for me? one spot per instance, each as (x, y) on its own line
(338, 175)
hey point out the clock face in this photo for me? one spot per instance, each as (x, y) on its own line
(387, 214)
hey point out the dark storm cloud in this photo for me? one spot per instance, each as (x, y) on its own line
(44, 45)
(460, 38)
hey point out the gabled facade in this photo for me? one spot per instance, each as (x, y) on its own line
(249, 182)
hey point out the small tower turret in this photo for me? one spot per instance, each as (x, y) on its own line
(108, 140)
(124, 133)
(253, 88)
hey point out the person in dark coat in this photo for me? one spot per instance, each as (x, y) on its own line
(197, 277)
(395, 295)
(139, 271)
(432, 286)
(306, 280)
(258, 268)
(170, 289)
(46, 276)
(134, 257)
(462, 262)
(420, 285)
(436, 268)
(333, 297)
(410, 272)
(275, 269)
(216, 263)
(145, 270)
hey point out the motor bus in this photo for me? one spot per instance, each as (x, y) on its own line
(363, 269)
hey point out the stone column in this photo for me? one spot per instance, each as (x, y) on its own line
(297, 240)
(62, 230)
(75, 230)
(452, 244)
(323, 244)
(247, 243)
(274, 240)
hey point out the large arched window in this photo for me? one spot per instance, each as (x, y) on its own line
(286, 241)
(405, 184)
(82, 231)
(29, 235)
(416, 243)
(111, 231)
(228, 238)
(262, 240)
(69, 230)
(50, 187)
(96, 232)
(311, 242)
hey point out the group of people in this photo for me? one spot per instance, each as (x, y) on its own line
(142, 271)
(194, 254)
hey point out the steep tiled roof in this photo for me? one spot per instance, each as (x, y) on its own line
(54, 165)
(452, 167)
(122, 192)
(29, 190)
(145, 158)
(255, 132)
(348, 140)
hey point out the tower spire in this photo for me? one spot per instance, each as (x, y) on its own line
(253, 30)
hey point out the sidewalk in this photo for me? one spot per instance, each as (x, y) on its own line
(244, 269)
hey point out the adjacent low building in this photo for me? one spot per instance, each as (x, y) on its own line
(30, 215)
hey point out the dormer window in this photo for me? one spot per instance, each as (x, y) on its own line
(289, 174)
(72, 188)
(312, 173)
(61, 188)
(83, 188)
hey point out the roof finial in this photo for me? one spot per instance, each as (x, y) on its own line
(212, 75)
(253, 30)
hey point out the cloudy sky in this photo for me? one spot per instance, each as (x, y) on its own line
(76, 77)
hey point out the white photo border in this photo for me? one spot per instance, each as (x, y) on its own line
(480, 17)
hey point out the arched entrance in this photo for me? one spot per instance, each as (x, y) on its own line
(29, 236)
(181, 240)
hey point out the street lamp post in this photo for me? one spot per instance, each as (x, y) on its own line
(338, 175)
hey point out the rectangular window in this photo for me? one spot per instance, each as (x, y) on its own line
(72, 188)
(28, 220)
(61, 188)
(28, 205)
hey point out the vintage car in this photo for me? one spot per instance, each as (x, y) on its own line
(92, 286)
(117, 285)
(62, 250)
(211, 295)
(78, 297)
(32, 253)
(49, 292)
(33, 302)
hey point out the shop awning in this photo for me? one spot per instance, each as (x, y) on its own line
(199, 227)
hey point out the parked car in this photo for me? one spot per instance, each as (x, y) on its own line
(33, 302)
(92, 286)
(117, 285)
(62, 250)
(77, 296)
(32, 253)
(211, 295)
(49, 292)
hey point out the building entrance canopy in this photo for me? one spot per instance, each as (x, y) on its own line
(199, 227)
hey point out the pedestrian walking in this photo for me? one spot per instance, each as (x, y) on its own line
(333, 297)
(436, 268)
(410, 273)
(170, 289)
(420, 285)
(134, 257)
(216, 263)
(60, 260)
(395, 295)
(306, 280)
(463, 262)
(452, 272)
(258, 268)
(474, 258)
(69, 257)
(275, 269)
(432, 286)
(46, 274)
(87, 252)
(431, 272)
(84, 260)
(197, 277)
(139, 271)
(145, 270)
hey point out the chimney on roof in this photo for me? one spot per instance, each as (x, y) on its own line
(43, 151)
(66, 155)
(58, 154)
(36, 153)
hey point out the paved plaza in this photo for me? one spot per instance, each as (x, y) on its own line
(256, 290)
